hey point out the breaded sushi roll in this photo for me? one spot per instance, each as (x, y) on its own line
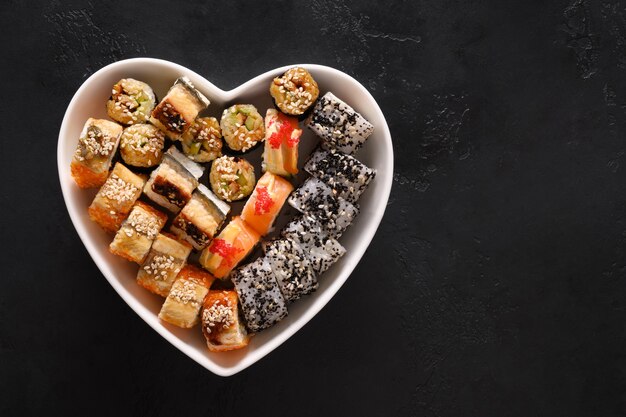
(294, 92)
(96, 147)
(346, 175)
(232, 178)
(291, 267)
(338, 125)
(166, 258)
(203, 141)
(282, 136)
(134, 239)
(115, 198)
(184, 301)
(262, 303)
(141, 145)
(201, 218)
(266, 201)
(229, 248)
(131, 102)
(172, 183)
(221, 324)
(175, 114)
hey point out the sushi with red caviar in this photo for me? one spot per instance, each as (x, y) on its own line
(232, 178)
(291, 267)
(222, 326)
(184, 301)
(294, 92)
(166, 258)
(266, 201)
(142, 145)
(242, 127)
(131, 102)
(282, 136)
(203, 141)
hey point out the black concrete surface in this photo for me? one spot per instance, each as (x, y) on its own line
(495, 285)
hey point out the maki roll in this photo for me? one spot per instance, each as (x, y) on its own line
(264, 204)
(131, 102)
(346, 175)
(179, 108)
(96, 147)
(291, 268)
(184, 301)
(229, 248)
(232, 178)
(339, 125)
(282, 136)
(221, 325)
(294, 92)
(116, 198)
(142, 145)
(262, 303)
(134, 239)
(163, 263)
(201, 218)
(242, 127)
(171, 184)
(203, 141)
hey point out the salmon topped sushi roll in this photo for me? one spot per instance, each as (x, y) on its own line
(264, 204)
(282, 136)
(229, 248)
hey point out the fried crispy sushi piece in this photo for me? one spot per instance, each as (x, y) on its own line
(166, 258)
(184, 301)
(131, 102)
(221, 323)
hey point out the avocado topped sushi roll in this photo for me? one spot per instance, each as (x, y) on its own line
(142, 145)
(242, 127)
(131, 102)
(203, 141)
(295, 91)
(232, 178)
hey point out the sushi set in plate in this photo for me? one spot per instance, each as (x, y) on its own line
(225, 219)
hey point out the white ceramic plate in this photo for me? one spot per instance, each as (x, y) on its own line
(89, 101)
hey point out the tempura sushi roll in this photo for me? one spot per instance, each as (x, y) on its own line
(116, 198)
(172, 183)
(264, 204)
(222, 326)
(346, 175)
(175, 114)
(134, 239)
(282, 136)
(203, 141)
(166, 258)
(262, 303)
(242, 127)
(142, 145)
(184, 301)
(291, 267)
(294, 92)
(96, 147)
(229, 248)
(131, 102)
(201, 218)
(232, 178)
(338, 125)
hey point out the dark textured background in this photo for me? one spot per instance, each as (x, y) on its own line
(495, 284)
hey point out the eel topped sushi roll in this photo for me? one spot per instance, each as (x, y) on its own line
(184, 301)
(338, 125)
(131, 102)
(222, 326)
(232, 178)
(282, 136)
(294, 92)
(203, 141)
(266, 201)
(141, 145)
(291, 268)
(242, 127)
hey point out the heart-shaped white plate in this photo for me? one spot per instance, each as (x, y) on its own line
(89, 101)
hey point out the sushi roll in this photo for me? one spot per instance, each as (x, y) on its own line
(282, 136)
(116, 198)
(242, 127)
(134, 238)
(184, 301)
(222, 326)
(294, 92)
(315, 198)
(166, 258)
(96, 147)
(346, 175)
(229, 248)
(173, 181)
(291, 268)
(262, 303)
(201, 218)
(232, 178)
(203, 141)
(175, 114)
(264, 204)
(131, 102)
(338, 125)
(142, 145)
